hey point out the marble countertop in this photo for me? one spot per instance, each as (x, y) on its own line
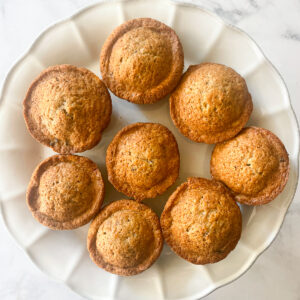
(275, 26)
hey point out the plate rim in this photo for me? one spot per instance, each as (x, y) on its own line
(71, 17)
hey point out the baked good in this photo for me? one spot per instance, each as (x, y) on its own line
(201, 222)
(67, 108)
(211, 104)
(125, 238)
(143, 160)
(65, 191)
(142, 60)
(254, 165)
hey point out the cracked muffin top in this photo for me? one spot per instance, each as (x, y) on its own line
(65, 191)
(125, 238)
(254, 165)
(211, 103)
(67, 108)
(142, 60)
(143, 160)
(201, 222)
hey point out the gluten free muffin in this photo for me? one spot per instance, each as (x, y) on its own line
(67, 108)
(125, 238)
(142, 60)
(143, 160)
(201, 222)
(211, 103)
(65, 191)
(254, 165)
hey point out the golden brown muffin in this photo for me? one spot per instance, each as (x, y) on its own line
(125, 238)
(143, 160)
(142, 60)
(254, 165)
(201, 222)
(65, 191)
(211, 103)
(67, 108)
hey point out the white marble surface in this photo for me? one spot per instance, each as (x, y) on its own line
(275, 25)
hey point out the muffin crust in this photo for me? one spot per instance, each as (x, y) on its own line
(65, 191)
(143, 160)
(125, 238)
(211, 103)
(142, 60)
(67, 108)
(254, 165)
(201, 222)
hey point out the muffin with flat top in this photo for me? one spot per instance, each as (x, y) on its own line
(65, 191)
(211, 104)
(254, 165)
(142, 60)
(125, 238)
(67, 108)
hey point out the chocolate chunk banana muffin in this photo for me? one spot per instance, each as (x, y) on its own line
(142, 60)
(67, 108)
(201, 222)
(211, 104)
(254, 165)
(143, 160)
(125, 238)
(65, 191)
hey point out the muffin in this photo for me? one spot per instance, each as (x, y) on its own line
(201, 222)
(125, 238)
(211, 104)
(65, 191)
(254, 165)
(142, 60)
(143, 160)
(67, 108)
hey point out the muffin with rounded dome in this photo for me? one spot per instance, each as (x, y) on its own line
(142, 60)
(201, 222)
(211, 104)
(125, 238)
(143, 160)
(254, 165)
(67, 108)
(65, 191)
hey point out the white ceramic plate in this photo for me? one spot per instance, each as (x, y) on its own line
(78, 41)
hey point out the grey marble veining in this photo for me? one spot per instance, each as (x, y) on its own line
(275, 25)
(291, 35)
(232, 11)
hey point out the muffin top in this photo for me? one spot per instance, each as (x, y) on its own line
(142, 60)
(211, 103)
(201, 222)
(254, 165)
(65, 191)
(67, 108)
(143, 160)
(125, 238)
